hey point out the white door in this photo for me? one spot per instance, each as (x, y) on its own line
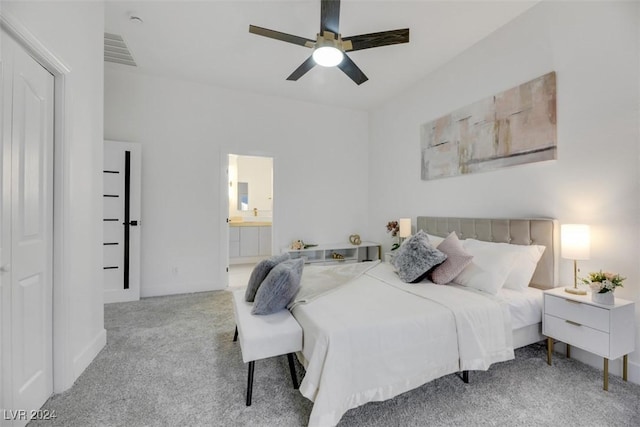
(27, 231)
(121, 208)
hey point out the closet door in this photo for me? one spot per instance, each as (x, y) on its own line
(27, 229)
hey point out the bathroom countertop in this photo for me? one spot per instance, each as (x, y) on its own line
(250, 224)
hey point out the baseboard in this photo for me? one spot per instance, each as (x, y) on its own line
(615, 366)
(86, 356)
(178, 288)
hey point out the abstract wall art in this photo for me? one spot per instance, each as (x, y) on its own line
(514, 127)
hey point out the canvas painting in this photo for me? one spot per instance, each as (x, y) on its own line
(514, 127)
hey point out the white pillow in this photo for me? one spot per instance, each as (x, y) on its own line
(527, 257)
(435, 240)
(488, 270)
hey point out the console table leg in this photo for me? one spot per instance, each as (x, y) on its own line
(625, 360)
(549, 350)
(606, 374)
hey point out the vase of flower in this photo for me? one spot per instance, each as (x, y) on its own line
(393, 227)
(602, 286)
(606, 298)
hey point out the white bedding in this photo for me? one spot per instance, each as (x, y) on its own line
(525, 306)
(374, 337)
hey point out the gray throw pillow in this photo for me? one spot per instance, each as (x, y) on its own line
(260, 272)
(279, 288)
(457, 259)
(416, 257)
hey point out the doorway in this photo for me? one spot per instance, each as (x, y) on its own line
(250, 214)
(121, 221)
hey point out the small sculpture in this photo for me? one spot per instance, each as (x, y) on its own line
(299, 245)
(355, 239)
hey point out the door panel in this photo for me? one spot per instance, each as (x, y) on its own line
(28, 247)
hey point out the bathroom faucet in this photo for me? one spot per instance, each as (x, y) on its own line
(255, 211)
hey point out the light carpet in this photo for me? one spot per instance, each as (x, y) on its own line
(171, 361)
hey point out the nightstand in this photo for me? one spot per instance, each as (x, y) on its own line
(605, 330)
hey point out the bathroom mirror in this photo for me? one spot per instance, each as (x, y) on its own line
(243, 196)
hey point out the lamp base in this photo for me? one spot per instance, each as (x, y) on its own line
(575, 291)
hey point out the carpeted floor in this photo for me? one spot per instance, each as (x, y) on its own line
(171, 361)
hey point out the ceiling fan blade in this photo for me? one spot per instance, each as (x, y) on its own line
(329, 16)
(352, 70)
(384, 38)
(289, 38)
(302, 69)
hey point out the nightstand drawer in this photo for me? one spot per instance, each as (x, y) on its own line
(577, 335)
(578, 312)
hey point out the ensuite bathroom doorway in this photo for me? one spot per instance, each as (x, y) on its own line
(250, 214)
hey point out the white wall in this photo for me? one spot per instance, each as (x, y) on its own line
(187, 129)
(73, 32)
(594, 49)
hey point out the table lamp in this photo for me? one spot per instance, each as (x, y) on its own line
(405, 228)
(576, 245)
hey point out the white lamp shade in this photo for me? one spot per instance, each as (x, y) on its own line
(405, 227)
(327, 56)
(576, 241)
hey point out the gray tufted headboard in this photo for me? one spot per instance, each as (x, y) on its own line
(515, 231)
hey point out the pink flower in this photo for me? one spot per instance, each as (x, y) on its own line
(393, 227)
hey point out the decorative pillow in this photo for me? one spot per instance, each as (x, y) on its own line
(416, 257)
(526, 262)
(488, 270)
(260, 272)
(457, 260)
(279, 287)
(435, 240)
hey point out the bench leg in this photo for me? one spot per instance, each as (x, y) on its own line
(235, 335)
(292, 369)
(250, 382)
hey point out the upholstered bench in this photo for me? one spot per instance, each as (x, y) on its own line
(265, 336)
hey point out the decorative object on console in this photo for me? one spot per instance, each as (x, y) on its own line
(300, 244)
(602, 286)
(514, 127)
(576, 245)
(416, 258)
(394, 228)
(355, 239)
(405, 228)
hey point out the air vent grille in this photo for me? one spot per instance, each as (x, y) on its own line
(116, 50)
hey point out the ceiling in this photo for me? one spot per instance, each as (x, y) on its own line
(208, 41)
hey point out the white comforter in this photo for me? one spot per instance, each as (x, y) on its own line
(374, 337)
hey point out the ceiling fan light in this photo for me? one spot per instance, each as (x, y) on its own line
(327, 56)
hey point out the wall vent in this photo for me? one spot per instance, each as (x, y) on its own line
(116, 50)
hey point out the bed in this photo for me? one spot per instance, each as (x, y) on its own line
(368, 336)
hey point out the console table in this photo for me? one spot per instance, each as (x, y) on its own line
(336, 253)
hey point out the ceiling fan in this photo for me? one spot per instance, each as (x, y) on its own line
(329, 48)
